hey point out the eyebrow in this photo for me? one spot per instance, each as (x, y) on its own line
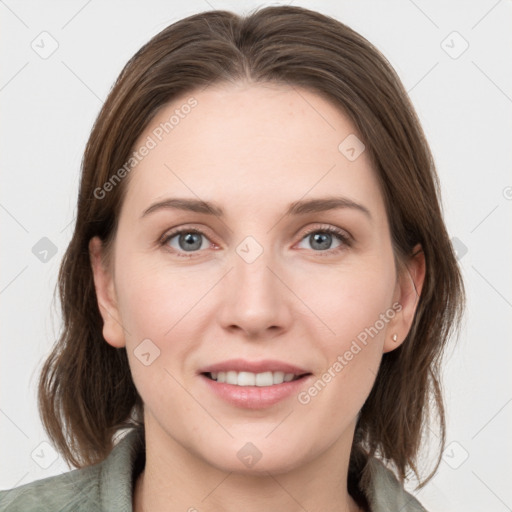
(300, 207)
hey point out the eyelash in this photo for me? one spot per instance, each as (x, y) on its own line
(341, 235)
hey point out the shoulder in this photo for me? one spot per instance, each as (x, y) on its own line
(103, 486)
(75, 490)
(385, 493)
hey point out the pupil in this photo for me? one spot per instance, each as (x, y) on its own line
(190, 241)
(322, 239)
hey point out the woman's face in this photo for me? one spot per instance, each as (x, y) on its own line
(291, 264)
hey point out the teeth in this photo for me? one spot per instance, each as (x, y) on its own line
(252, 379)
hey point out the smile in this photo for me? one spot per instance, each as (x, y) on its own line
(252, 379)
(249, 390)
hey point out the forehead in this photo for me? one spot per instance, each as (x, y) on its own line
(266, 142)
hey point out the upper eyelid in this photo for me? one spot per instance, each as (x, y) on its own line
(171, 233)
(328, 228)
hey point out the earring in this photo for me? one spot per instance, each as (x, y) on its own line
(395, 338)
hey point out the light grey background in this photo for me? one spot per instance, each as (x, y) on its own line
(464, 101)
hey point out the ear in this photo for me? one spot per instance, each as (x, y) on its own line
(407, 294)
(105, 294)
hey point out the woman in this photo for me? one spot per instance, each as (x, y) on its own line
(260, 284)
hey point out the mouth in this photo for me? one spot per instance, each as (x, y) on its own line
(255, 390)
(263, 379)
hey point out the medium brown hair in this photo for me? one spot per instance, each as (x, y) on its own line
(86, 392)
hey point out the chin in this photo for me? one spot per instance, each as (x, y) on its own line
(256, 458)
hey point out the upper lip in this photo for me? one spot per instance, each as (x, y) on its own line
(242, 365)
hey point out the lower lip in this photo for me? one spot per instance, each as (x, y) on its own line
(255, 397)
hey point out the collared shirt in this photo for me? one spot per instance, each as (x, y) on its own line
(108, 486)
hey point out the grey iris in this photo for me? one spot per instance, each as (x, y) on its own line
(323, 240)
(190, 241)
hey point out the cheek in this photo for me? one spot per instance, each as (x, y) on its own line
(161, 304)
(354, 310)
(350, 299)
(337, 302)
(157, 310)
(153, 299)
(352, 306)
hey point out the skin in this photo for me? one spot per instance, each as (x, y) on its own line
(253, 150)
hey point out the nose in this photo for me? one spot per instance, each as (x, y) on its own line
(255, 300)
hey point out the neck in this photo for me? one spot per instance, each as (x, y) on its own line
(174, 478)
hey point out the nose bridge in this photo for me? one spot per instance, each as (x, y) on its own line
(253, 276)
(255, 284)
(255, 299)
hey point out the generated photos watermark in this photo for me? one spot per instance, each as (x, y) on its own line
(358, 343)
(151, 142)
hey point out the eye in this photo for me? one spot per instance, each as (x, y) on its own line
(186, 241)
(325, 239)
